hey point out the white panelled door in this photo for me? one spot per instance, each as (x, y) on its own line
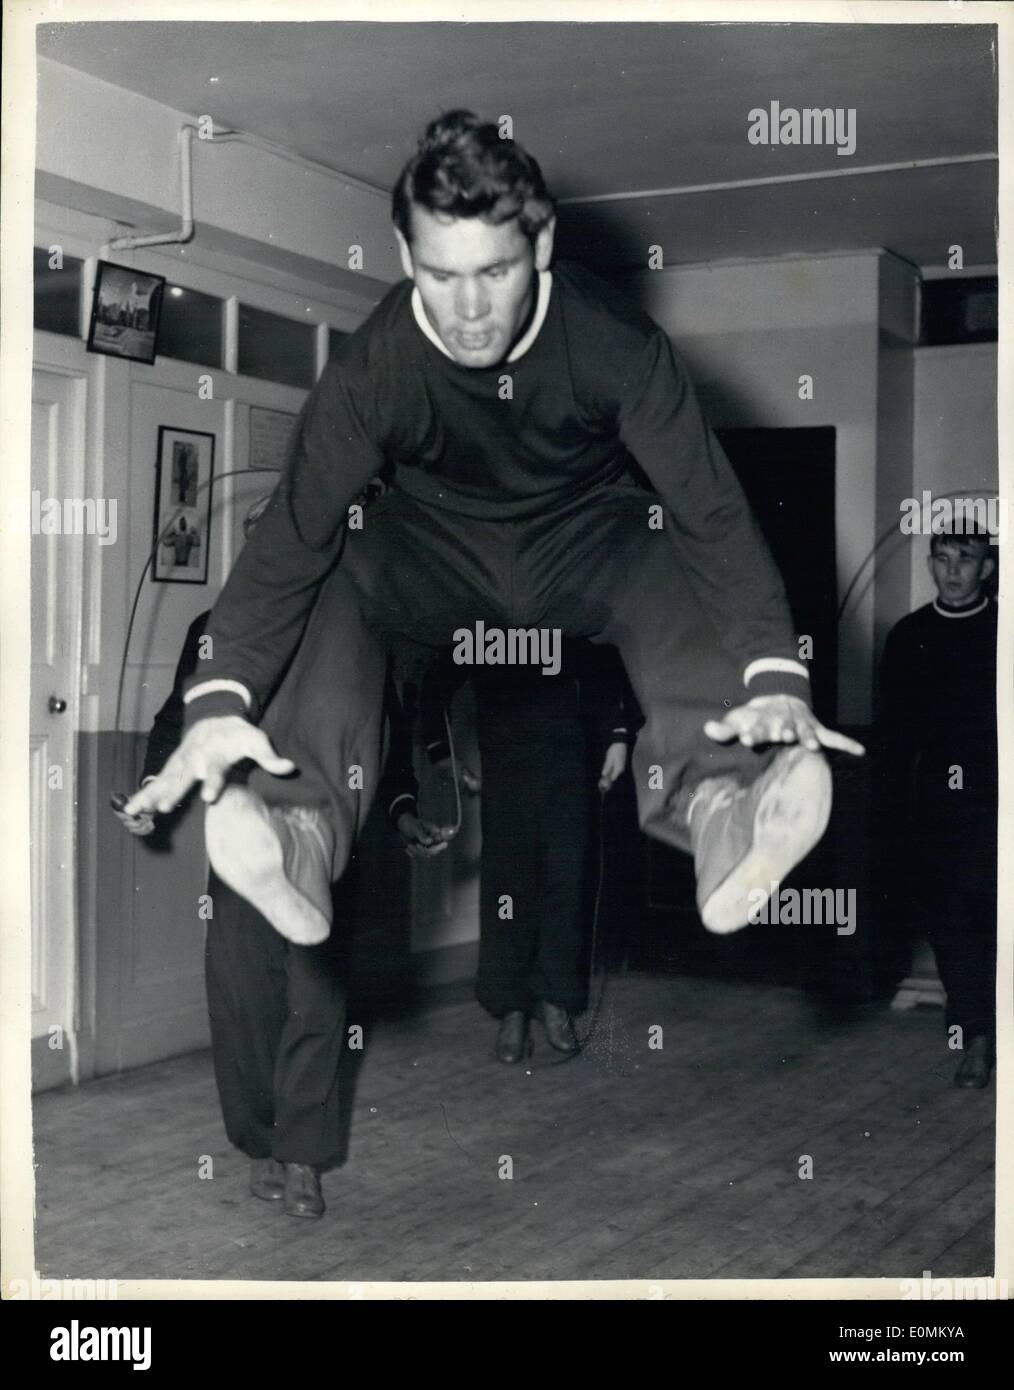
(57, 472)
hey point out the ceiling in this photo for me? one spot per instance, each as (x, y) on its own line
(615, 109)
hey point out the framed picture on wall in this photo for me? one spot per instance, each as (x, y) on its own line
(182, 538)
(126, 307)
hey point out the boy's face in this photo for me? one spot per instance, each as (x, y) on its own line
(476, 281)
(959, 569)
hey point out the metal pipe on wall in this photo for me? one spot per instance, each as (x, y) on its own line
(186, 228)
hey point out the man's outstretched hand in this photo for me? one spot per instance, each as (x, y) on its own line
(778, 719)
(206, 754)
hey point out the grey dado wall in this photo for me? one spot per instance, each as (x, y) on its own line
(148, 992)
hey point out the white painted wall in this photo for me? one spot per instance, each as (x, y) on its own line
(113, 154)
(888, 576)
(955, 434)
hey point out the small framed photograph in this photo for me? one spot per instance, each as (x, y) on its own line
(126, 306)
(182, 538)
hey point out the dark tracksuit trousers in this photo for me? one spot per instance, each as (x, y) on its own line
(414, 574)
(536, 819)
(277, 1014)
(955, 847)
(537, 738)
(277, 1011)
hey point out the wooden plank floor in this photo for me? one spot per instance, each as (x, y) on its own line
(679, 1163)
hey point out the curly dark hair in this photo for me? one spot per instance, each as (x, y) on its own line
(464, 168)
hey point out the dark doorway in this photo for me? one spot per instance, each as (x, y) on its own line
(788, 477)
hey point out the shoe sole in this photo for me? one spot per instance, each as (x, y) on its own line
(526, 1049)
(246, 853)
(568, 1049)
(306, 1215)
(790, 817)
(267, 1194)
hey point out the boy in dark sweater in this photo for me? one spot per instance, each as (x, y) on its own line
(509, 404)
(938, 709)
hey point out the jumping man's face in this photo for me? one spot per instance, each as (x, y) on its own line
(477, 281)
(959, 569)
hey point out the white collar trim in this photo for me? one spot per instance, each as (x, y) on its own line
(520, 347)
(965, 612)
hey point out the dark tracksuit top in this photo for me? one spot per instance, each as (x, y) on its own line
(596, 387)
(938, 706)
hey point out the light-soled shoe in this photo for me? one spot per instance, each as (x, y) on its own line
(746, 840)
(267, 1179)
(278, 858)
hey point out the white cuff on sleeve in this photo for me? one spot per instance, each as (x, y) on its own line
(210, 688)
(774, 663)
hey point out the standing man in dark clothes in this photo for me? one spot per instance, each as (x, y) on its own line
(509, 402)
(537, 816)
(277, 1010)
(938, 706)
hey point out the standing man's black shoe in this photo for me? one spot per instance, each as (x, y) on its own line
(267, 1179)
(559, 1028)
(303, 1196)
(976, 1065)
(512, 1041)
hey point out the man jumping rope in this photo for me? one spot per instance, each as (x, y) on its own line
(508, 403)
